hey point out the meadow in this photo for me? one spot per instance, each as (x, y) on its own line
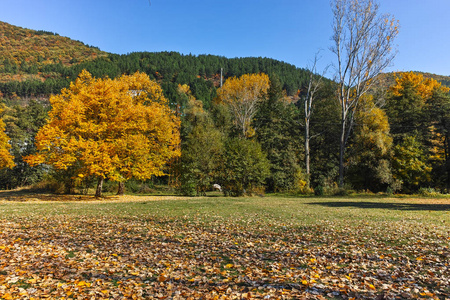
(272, 247)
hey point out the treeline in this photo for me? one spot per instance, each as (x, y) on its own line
(268, 158)
(201, 73)
(400, 141)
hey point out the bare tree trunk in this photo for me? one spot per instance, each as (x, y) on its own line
(98, 192)
(307, 154)
(341, 154)
(315, 82)
(121, 189)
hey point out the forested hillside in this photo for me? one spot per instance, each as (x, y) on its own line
(201, 73)
(35, 64)
(25, 53)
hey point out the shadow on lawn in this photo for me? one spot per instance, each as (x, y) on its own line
(380, 205)
(22, 195)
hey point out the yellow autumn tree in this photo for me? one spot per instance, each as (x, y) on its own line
(242, 96)
(109, 128)
(6, 159)
(424, 87)
(418, 108)
(370, 152)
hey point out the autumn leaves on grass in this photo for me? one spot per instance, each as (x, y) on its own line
(109, 128)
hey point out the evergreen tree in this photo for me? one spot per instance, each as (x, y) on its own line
(325, 128)
(278, 132)
(244, 168)
(439, 119)
(418, 110)
(201, 150)
(410, 164)
(22, 124)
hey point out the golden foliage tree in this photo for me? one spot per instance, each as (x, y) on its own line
(420, 108)
(6, 159)
(373, 132)
(424, 87)
(109, 128)
(242, 96)
(371, 149)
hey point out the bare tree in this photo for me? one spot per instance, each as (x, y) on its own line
(363, 42)
(315, 82)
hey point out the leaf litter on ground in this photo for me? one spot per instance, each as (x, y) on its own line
(252, 255)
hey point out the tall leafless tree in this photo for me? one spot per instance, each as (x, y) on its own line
(363, 44)
(315, 82)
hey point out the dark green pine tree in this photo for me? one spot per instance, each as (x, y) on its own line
(278, 131)
(22, 124)
(439, 117)
(201, 150)
(406, 114)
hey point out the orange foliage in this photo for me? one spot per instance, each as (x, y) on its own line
(423, 86)
(109, 128)
(6, 159)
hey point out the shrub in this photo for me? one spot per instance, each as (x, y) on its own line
(188, 185)
(145, 189)
(428, 192)
(245, 167)
(50, 185)
(341, 192)
(319, 191)
(389, 191)
(110, 186)
(133, 186)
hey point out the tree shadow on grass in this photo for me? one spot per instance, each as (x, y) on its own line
(380, 205)
(22, 195)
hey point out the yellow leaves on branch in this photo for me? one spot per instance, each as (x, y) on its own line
(6, 159)
(111, 128)
(423, 86)
(241, 95)
(184, 89)
(373, 133)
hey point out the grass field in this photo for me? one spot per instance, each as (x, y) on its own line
(273, 247)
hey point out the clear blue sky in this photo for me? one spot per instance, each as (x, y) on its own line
(287, 30)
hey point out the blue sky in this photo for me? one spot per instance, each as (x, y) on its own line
(287, 30)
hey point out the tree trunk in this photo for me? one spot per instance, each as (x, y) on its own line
(447, 160)
(307, 154)
(121, 189)
(341, 155)
(69, 187)
(98, 192)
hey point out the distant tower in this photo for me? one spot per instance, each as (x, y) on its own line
(221, 76)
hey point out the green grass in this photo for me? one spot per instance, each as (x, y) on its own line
(281, 246)
(299, 211)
